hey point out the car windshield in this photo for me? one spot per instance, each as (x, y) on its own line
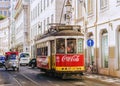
(12, 57)
(24, 55)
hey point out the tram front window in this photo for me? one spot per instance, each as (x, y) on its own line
(71, 45)
(60, 45)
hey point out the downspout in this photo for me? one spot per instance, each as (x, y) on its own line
(96, 54)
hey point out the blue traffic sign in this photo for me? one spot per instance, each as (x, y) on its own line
(90, 42)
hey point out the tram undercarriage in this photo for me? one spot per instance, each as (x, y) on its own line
(63, 75)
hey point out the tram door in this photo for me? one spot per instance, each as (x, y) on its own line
(52, 54)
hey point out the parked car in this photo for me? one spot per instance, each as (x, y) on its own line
(2, 60)
(24, 58)
(32, 63)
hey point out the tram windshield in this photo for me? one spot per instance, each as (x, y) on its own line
(71, 45)
(60, 45)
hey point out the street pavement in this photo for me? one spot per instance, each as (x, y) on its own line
(112, 81)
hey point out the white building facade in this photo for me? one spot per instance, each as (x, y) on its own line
(43, 13)
(4, 35)
(100, 20)
(12, 24)
(22, 27)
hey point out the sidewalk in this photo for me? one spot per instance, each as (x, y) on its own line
(103, 79)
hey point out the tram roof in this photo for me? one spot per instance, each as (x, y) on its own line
(62, 30)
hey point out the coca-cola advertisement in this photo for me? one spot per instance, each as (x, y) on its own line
(42, 62)
(69, 60)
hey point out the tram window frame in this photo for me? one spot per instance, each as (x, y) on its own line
(43, 51)
(53, 47)
(60, 45)
(38, 51)
(71, 45)
(80, 45)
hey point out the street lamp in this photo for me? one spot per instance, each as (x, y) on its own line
(68, 11)
(68, 6)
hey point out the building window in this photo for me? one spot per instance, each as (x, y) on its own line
(44, 4)
(44, 26)
(31, 15)
(47, 3)
(118, 1)
(52, 18)
(38, 9)
(36, 12)
(41, 28)
(103, 4)
(5, 13)
(9, 13)
(0, 12)
(52, 1)
(104, 50)
(48, 23)
(90, 6)
(79, 8)
(41, 5)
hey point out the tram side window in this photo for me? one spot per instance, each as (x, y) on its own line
(71, 45)
(60, 45)
(38, 51)
(42, 51)
(53, 47)
(45, 51)
(80, 45)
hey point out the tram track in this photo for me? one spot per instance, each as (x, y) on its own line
(23, 80)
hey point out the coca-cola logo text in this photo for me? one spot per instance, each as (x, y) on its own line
(74, 58)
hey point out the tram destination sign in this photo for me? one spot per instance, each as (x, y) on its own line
(90, 42)
(69, 27)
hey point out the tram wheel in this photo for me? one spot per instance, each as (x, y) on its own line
(64, 76)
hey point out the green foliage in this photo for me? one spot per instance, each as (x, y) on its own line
(2, 17)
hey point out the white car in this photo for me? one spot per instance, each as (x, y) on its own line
(24, 58)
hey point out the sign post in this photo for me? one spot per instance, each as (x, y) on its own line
(90, 43)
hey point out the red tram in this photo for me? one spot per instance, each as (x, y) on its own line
(60, 51)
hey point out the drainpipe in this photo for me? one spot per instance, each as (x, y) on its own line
(96, 35)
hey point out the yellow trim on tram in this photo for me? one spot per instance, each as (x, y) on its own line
(82, 68)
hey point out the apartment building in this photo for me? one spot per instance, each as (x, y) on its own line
(4, 36)
(22, 27)
(4, 7)
(43, 13)
(100, 21)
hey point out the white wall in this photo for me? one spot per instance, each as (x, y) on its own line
(4, 35)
